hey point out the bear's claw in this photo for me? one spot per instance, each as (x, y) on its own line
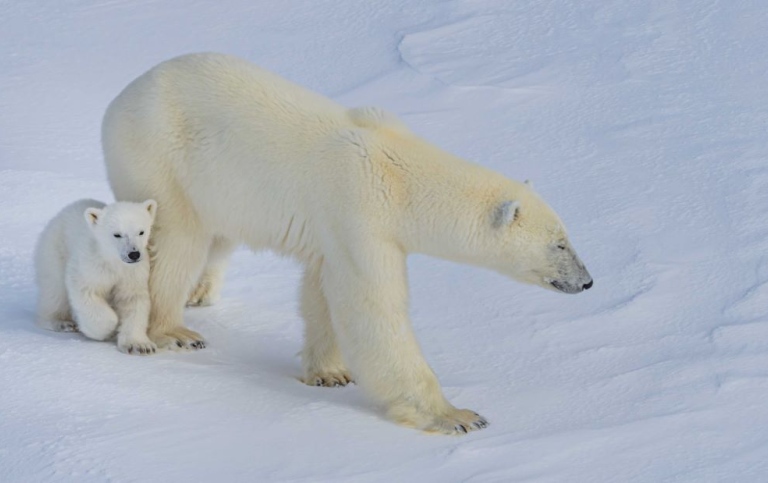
(179, 338)
(66, 326)
(449, 421)
(465, 425)
(335, 379)
(138, 348)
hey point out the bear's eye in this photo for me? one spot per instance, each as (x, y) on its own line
(561, 247)
(118, 235)
(141, 233)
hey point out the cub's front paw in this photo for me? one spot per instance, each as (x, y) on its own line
(141, 347)
(178, 339)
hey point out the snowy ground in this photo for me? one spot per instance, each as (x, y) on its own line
(642, 123)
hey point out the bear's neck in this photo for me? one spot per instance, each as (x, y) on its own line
(451, 205)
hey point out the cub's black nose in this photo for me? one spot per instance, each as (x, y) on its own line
(588, 286)
(135, 256)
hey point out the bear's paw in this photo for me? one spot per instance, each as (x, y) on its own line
(450, 421)
(141, 347)
(178, 338)
(328, 379)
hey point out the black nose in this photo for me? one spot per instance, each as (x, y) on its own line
(588, 286)
(135, 256)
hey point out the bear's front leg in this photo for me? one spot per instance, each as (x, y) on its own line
(95, 318)
(368, 301)
(181, 254)
(133, 311)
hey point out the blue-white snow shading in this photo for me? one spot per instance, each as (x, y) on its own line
(644, 124)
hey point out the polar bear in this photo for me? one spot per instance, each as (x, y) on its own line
(92, 272)
(236, 154)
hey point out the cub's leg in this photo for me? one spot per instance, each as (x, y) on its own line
(321, 357)
(366, 289)
(95, 318)
(133, 311)
(208, 289)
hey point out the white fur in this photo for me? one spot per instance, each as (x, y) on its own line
(87, 278)
(236, 154)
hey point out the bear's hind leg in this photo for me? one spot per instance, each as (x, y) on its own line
(208, 289)
(53, 309)
(321, 357)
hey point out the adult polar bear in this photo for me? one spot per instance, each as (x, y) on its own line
(235, 154)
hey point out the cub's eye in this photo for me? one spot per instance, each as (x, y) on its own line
(118, 235)
(561, 247)
(141, 233)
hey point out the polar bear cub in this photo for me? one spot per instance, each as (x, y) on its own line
(92, 271)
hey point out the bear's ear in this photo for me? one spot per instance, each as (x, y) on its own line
(151, 207)
(505, 213)
(92, 216)
(529, 183)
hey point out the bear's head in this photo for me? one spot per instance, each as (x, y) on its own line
(530, 243)
(122, 229)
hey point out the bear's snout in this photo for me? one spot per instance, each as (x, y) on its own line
(571, 287)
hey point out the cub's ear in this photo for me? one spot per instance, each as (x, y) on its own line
(92, 216)
(151, 207)
(529, 183)
(505, 213)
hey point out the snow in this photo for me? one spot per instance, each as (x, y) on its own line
(642, 123)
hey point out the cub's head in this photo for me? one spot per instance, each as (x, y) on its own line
(122, 229)
(530, 243)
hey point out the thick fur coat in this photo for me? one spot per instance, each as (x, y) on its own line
(235, 154)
